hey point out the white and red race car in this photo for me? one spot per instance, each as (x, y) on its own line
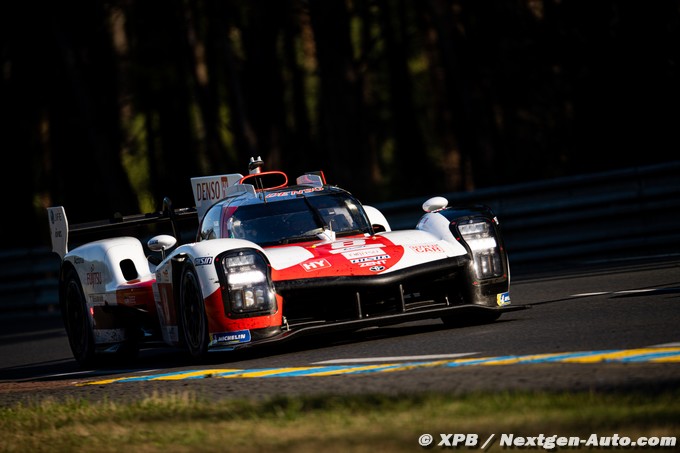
(272, 261)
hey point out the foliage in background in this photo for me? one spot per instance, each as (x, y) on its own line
(109, 106)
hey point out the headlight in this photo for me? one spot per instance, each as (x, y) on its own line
(480, 237)
(247, 290)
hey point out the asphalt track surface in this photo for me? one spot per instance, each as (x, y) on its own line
(589, 325)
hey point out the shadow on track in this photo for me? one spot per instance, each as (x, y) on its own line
(168, 358)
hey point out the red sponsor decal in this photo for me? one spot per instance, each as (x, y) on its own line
(429, 248)
(294, 192)
(94, 278)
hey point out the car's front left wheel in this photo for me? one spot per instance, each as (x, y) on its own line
(192, 317)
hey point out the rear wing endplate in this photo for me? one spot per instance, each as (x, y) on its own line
(209, 189)
(58, 230)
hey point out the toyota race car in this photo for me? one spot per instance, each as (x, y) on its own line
(272, 261)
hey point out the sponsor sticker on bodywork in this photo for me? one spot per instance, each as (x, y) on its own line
(426, 248)
(362, 253)
(503, 299)
(315, 265)
(94, 277)
(203, 260)
(370, 258)
(237, 336)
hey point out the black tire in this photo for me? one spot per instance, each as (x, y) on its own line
(192, 318)
(77, 320)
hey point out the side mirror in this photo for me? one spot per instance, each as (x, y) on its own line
(435, 204)
(161, 243)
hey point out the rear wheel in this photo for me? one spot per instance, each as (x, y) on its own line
(192, 317)
(77, 320)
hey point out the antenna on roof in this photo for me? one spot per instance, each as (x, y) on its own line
(254, 165)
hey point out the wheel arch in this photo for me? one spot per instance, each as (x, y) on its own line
(489, 290)
(66, 267)
(178, 264)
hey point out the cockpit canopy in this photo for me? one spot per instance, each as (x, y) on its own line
(286, 217)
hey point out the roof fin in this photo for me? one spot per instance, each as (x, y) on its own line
(255, 164)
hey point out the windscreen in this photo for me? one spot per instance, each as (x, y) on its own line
(296, 220)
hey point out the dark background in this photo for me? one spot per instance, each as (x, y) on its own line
(109, 106)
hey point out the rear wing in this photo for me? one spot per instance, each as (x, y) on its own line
(60, 229)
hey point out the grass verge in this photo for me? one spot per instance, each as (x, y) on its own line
(184, 422)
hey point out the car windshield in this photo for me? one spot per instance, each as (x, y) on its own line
(296, 220)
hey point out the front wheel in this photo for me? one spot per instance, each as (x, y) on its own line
(77, 320)
(192, 317)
